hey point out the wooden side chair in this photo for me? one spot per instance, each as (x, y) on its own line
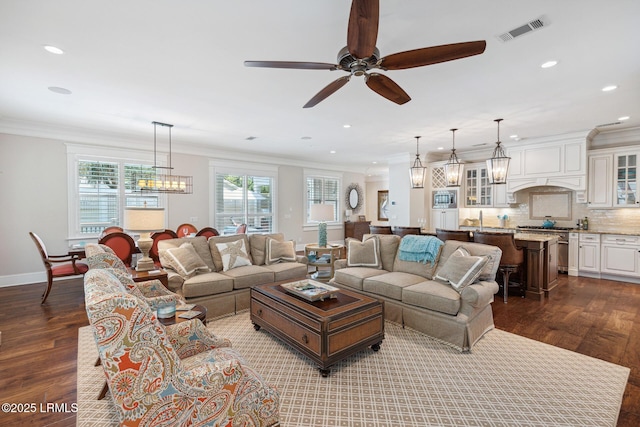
(122, 244)
(156, 237)
(112, 229)
(185, 230)
(207, 232)
(68, 265)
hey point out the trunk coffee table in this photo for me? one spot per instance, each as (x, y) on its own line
(326, 331)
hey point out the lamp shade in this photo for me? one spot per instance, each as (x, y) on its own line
(144, 220)
(321, 213)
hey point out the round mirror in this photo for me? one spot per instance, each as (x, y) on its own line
(353, 198)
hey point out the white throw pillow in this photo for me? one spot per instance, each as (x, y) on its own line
(233, 254)
(184, 260)
(364, 254)
(461, 269)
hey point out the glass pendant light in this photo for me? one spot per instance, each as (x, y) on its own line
(498, 164)
(453, 169)
(417, 171)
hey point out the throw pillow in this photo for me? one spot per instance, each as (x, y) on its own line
(279, 252)
(184, 260)
(461, 269)
(364, 254)
(234, 254)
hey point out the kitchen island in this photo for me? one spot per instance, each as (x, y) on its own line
(540, 263)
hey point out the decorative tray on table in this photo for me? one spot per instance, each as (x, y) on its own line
(311, 290)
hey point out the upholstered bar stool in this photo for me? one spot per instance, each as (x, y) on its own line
(444, 235)
(380, 229)
(512, 259)
(403, 231)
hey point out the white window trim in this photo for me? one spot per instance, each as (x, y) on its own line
(232, 167)
(319, 173)
(76, 152)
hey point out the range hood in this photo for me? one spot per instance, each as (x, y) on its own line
(559, 161)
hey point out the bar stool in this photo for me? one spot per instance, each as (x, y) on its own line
(463, 236)
(512, 260)
(403, 231)
(380, 229)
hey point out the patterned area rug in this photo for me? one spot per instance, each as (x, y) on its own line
(413, 380)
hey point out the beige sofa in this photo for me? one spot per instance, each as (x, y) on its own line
(222, 290)
(421, 296)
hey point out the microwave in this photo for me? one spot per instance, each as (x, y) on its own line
(445, 199)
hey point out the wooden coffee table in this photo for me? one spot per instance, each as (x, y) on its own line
(325, 331)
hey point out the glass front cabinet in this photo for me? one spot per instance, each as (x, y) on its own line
(626, 181)
(478, 192)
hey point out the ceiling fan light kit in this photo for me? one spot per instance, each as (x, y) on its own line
(361, 56)
(498, 164)
(154, 182)
(453, 169)
(417, 172)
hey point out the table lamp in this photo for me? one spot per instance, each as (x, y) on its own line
(321, 214)
(144, 221)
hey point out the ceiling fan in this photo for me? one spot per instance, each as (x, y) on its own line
(361, 55)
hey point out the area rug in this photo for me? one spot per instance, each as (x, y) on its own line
(413, 380)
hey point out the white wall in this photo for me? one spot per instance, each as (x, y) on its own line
(33, 190)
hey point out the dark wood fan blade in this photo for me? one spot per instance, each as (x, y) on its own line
(432, 55)
(363, 28)
(386, 87)
(328, 90)
(291, 64)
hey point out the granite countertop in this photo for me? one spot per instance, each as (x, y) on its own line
(618, 232)
(538, 237)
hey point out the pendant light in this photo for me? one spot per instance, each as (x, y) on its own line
(453, 169)
(154, 182)
(417, 171)
(498, 164)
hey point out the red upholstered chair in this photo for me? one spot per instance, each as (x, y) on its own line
(68, 265)
(112, 229)
(208, 232)
(184, 230)
(157, 236)
(242, 229)
(122, 244)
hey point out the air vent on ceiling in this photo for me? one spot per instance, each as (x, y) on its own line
(536, 24)
(608, 124)
(250, 138)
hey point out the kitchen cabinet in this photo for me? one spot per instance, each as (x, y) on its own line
(620, 255)
(599, 194)
(574, 241)
(626, 180)
(478, 192)
(446, 219)
(589, 254)
(552, 259)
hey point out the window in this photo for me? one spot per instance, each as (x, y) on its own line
(323, 190)
(243, 199)
(100, 189)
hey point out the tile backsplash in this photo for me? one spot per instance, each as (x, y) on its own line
(623, 220)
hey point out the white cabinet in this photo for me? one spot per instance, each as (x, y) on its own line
(589, 253)
(600, 181)
(620, 255)
(446, 219)
(626, 180)
(477, 190)
(574, 242)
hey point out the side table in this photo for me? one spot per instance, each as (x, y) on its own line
(175, 319)
(143, 276)
(334, 252)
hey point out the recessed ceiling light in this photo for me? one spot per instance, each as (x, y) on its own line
(53, 49)
(306, 137)
(60, 90)
(609, 88)
(375, 163)
(549, 64)
(623, 118)
(440, 148)
(332, 151)
(346, 126)
(514, 137)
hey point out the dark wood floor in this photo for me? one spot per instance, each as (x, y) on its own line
(39, 343)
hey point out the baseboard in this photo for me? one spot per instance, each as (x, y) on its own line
(22, 279)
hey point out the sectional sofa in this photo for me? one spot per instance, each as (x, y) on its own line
(448, 298)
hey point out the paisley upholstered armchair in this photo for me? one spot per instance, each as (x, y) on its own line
(180, 375)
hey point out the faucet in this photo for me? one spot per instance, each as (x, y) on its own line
(480, 219)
